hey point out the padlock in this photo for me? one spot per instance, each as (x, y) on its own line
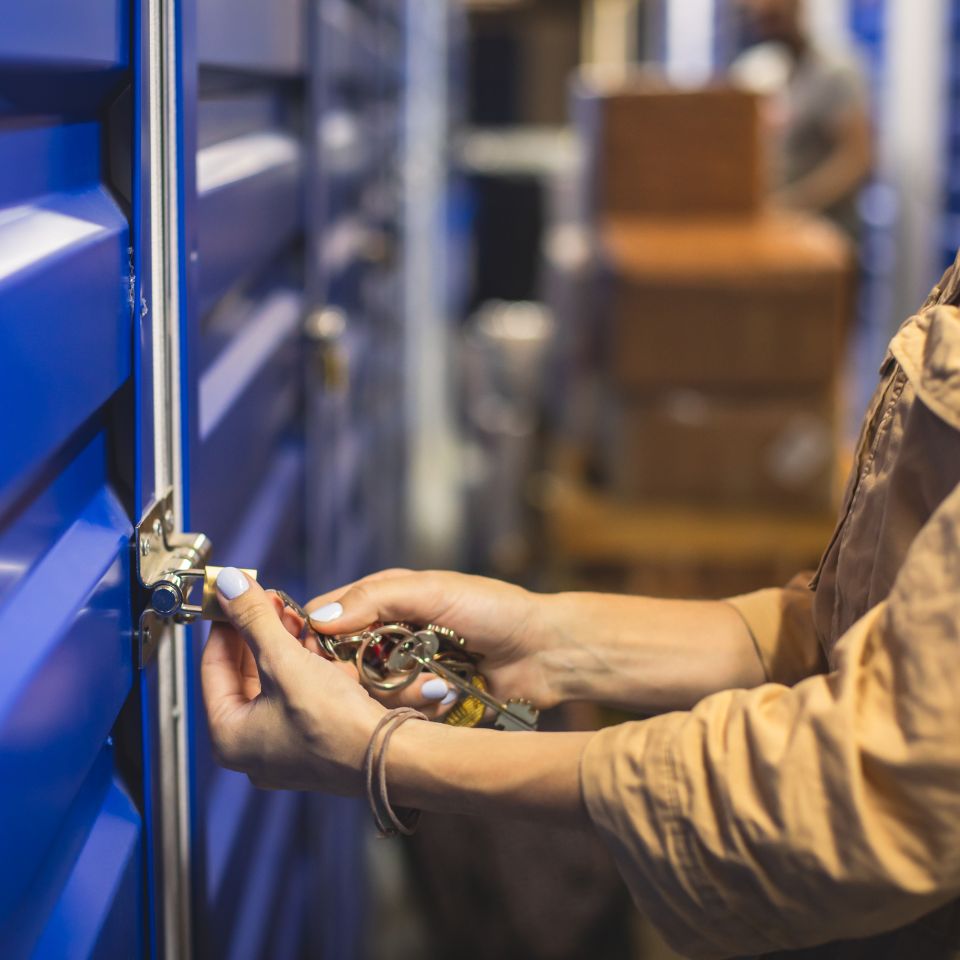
(210, 603)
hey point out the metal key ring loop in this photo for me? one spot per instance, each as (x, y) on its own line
(344, 646)
(371, 680)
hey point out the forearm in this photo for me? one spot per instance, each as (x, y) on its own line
(839, 175)
(825, 187)
(644, 654)
(528, 776)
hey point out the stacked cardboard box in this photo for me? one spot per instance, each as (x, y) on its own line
(722, 329)
(723, 346)
(656, 152)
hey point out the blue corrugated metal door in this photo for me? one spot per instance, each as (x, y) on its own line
(284, 204)
(245, 116)
(71, 824)
(355, 406)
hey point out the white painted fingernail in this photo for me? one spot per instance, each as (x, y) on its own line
(435, 689)
(232, 583)
(332, 611)
(449, 698)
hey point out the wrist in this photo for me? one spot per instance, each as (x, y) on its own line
(350, 745)
(531, 776)
(559, 646)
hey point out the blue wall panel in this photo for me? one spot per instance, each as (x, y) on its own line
(64, 34)
(99, 914)
(244, 311)
(951, 224)
(60, 693)
(289, 203)
(252, 35)
(64, 299)
(69, 834)
(250, 202)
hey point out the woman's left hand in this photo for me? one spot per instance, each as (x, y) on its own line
(277, 712)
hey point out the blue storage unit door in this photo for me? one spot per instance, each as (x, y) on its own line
(355, 401)
(277, 200)
(244, 167)
(71, 821)
(951, 226)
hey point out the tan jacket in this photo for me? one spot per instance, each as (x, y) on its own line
(824, 806)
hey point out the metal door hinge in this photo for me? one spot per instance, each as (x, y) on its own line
(169, 565)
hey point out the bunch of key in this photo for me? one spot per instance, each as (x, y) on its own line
(391, 656)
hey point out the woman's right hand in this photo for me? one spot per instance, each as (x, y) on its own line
(502, 623)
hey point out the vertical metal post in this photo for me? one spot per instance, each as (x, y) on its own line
(172, 812)
(828, 22)
(433, 491)
(690, 40)
(611, 32)
(913, 141)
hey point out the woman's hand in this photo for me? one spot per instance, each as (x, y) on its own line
(279, 713)
(502, 623)
(292, 720)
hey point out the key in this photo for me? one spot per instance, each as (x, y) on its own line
(324, 641)
(512, 715)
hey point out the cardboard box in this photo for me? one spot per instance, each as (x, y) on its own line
(687, 446)
(745, 305)
(657, 152)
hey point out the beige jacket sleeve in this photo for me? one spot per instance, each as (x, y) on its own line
(781, 625)
(784, 817)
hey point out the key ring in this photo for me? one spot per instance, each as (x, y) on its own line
(390, 657)
(402, 677)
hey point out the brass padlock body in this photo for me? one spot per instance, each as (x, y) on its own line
(210, 604)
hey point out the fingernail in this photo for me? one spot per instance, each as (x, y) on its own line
(232, 583)
(449, 698)
(332, 611)
(435, 689)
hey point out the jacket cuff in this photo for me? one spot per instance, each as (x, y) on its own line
(781, 625)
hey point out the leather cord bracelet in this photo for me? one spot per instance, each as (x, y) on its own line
(390, 822)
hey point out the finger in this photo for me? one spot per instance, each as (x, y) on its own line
(294, 623)
(430, 694)
(415, 596)
(254, 613)
(291, 620)
(425, 692)
(333, 596)
(222, 676)
(251, 675)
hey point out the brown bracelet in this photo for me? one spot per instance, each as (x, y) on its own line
(390, 823)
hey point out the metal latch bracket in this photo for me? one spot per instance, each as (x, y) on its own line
(169, 566)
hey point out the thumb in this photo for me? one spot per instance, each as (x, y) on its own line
(253, 612)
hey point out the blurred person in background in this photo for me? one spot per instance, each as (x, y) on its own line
(817, 111)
